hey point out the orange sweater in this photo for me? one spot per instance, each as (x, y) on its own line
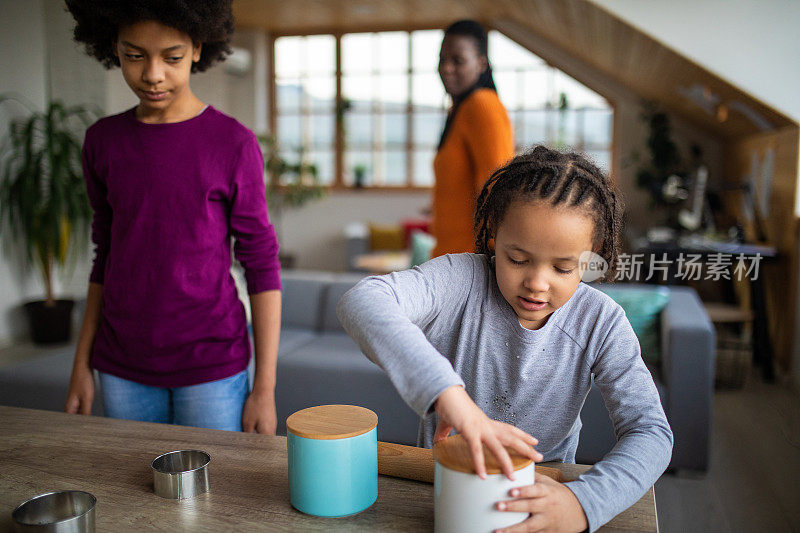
(479, 141)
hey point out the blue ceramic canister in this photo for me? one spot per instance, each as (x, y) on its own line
(333, 459)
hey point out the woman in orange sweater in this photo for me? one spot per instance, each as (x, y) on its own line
(477, 136)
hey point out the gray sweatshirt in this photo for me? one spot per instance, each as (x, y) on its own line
(446, 323)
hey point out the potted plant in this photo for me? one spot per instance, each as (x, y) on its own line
(44, 209)
(359, 175)
(289, 185)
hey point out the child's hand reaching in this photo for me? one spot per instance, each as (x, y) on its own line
(457, 411)
(553, 507)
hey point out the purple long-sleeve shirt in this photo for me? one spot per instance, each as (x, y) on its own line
(167, 199)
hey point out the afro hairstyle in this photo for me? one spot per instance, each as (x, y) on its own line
(207, 22)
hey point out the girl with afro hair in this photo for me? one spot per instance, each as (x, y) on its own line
(171, 181)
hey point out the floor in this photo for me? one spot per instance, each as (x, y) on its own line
(753, 483)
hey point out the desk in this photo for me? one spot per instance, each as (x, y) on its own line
(42, 451)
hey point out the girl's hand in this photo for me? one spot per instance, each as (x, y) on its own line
(81, 391)
(553, 507)
(258, 415)
(457, 411)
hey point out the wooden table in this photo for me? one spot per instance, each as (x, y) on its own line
(42, 451)
(384, 262)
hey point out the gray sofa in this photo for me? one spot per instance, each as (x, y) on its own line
(319, 364)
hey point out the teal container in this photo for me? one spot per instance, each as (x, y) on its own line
(333, 470)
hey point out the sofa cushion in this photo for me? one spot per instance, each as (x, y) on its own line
(293, 338)
(41, 382)
(337, 288)
(332, 370)
(642, 305)
(302, 298)
(386, 237)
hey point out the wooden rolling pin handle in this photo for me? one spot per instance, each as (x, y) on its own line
(410, 462)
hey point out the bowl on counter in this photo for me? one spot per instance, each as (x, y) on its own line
(66, 511)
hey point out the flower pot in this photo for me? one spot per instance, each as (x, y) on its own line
(287, 260)
(50, 324)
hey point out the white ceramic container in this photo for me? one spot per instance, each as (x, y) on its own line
(466, 503)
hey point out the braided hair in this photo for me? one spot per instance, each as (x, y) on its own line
(209, 22)
(562, 179)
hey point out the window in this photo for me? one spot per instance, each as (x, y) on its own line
(305, 98)
(547, 106)
(375, 120)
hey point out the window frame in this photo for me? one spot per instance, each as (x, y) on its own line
(338, 183)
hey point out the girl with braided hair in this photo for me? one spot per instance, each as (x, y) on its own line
(171, 181)
(502, 346)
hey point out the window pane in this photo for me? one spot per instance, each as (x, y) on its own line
(320, 93)
(358, 130)
(288, 56)
(535, 85)
(508, 89)
(423, 168)
(427, 90)
(535, 131)
(394, 127)
(320, 54)
(357, 88)
(551, 125)
(577, 95)
(425, 47)
(601, 158)
(392, 52)
(567, 134)
(289, 132)
(357, 52)
(518, 125)
(288, 95)
(428, 128)
(290, 155)
(324, 161)
(355, 159)
(394, 168)
(505, 53)
(598, 127)
(393, 89)
(322, 130)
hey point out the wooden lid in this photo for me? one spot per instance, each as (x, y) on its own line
(331, 422)
(453, 453)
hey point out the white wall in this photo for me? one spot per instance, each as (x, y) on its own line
(753, 44)
(22, 70)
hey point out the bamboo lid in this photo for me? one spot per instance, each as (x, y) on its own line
(453, 453)
(327, 422)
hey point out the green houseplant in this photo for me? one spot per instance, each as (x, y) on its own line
(44, 209)
(289, 185)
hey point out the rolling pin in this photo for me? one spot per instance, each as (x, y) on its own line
(410, 462)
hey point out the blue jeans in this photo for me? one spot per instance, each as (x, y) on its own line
(215, 405)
